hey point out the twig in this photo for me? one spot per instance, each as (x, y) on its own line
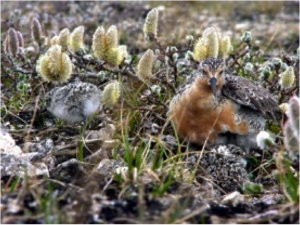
(151, 110)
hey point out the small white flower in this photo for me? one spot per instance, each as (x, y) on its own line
(246, 37)
(248, 67)
(284, 107)
(265, 139)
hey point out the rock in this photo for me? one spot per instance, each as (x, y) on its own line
(8, 144)
(16, 163)
(233, 199)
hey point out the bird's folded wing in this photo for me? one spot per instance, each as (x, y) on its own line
(247, 93)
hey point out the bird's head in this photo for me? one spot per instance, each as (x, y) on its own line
(212, 73)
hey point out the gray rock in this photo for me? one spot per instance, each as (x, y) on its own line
(16, 163)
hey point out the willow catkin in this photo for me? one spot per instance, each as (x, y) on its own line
(151, 24)
(76, 38)
(36, 31)
(144, 68)
(55, 65)
(111, 94)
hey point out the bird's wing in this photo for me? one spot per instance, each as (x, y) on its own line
(246, 92)
(184, 88)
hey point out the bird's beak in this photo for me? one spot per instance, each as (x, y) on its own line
(213, 84)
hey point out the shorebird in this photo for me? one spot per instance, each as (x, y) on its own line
(75, 102)
(214, 107)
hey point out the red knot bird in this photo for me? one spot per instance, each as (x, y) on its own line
(214, 107)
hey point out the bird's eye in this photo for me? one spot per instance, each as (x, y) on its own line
(220, 70)
(205, 70)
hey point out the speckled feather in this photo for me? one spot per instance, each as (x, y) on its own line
(74, 102)
(247, 93)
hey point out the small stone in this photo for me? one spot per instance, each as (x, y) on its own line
(233, 199)
(8, 144)
(107, 133)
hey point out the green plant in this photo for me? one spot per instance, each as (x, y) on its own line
(289, 178)
(252, 188)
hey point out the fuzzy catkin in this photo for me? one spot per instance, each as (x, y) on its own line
(99, 43)
(64, 39)
(115, 56)
(76, 38)
(54, 40)
(151, 24)
(200, 50)
(20, 39)
(293, 114)
(36, 31)
(144, 68)
(291, 142)
(287, 78)
(211, 40)
(5, 45)
(111, 94)
(12, 42)
(103, 46)
(55, 65)
(224, 46)
(112, 37)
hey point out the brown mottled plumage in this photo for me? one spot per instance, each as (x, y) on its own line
(216, 107)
